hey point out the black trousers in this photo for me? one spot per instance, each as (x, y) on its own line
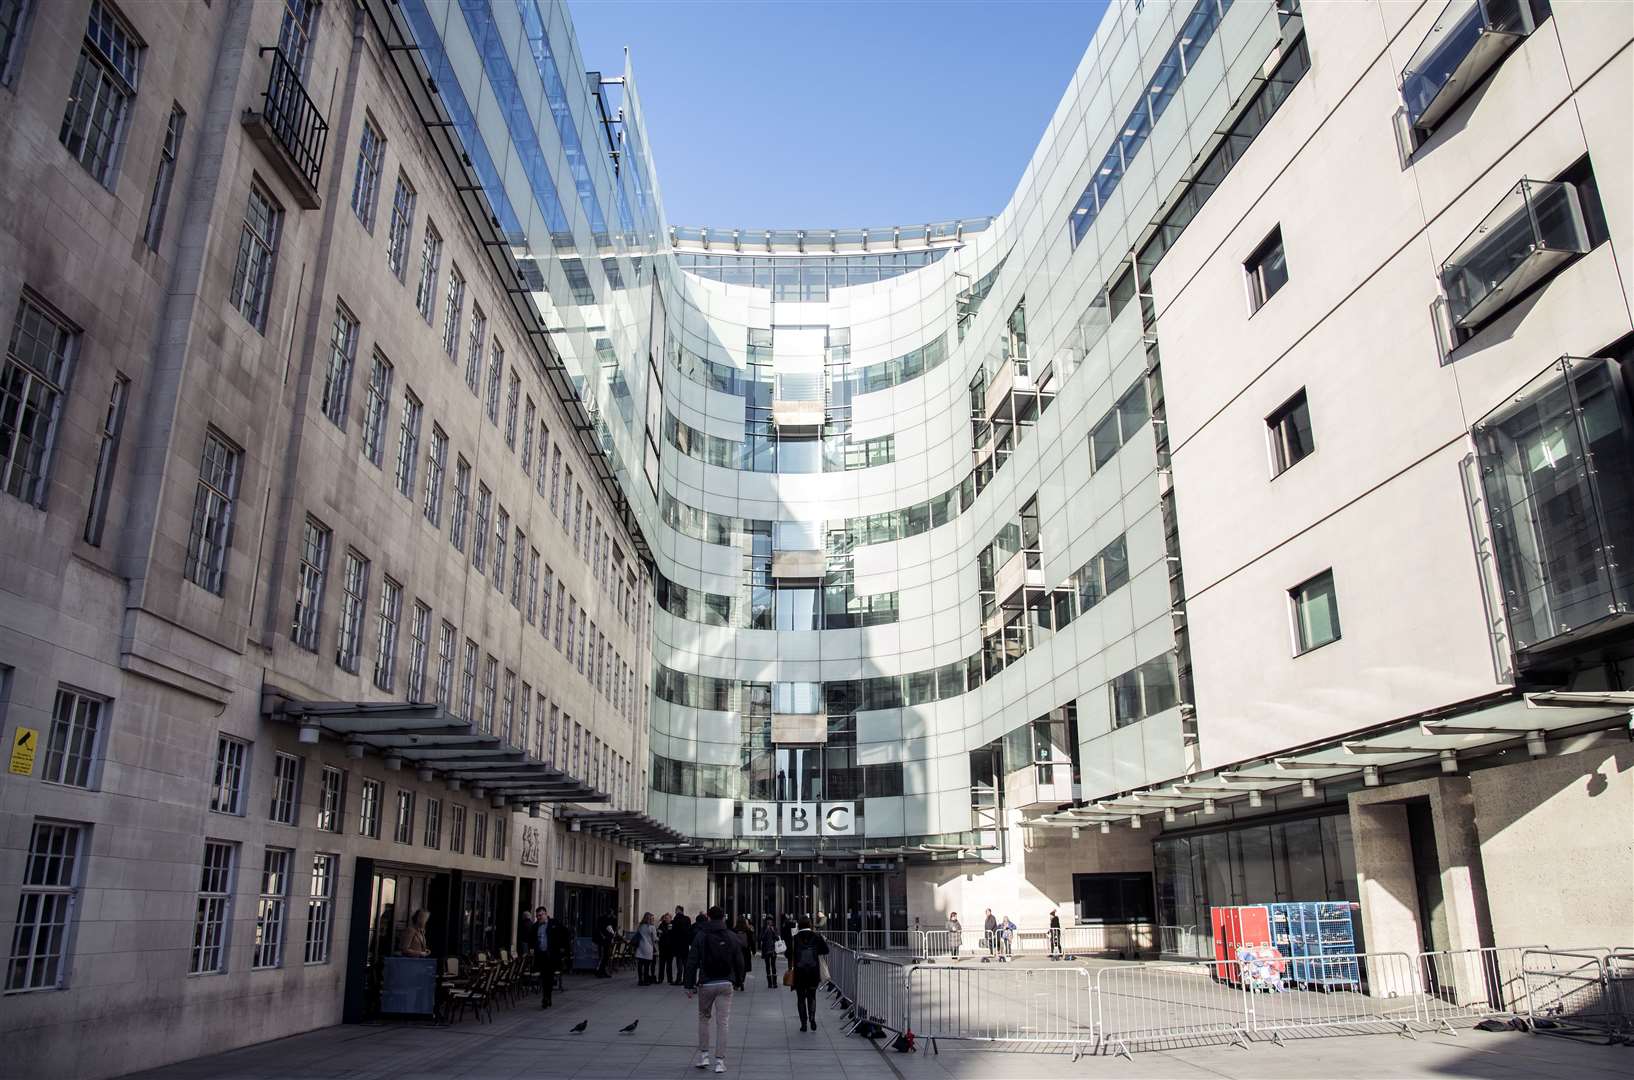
(547, 977)
(643, 972)
(605, 956)
(805, 998)
(771, 969)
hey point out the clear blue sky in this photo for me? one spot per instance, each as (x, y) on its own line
(827, 114)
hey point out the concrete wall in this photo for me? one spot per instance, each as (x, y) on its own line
(667, 884)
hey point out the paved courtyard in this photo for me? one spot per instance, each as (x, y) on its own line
(766, 1041)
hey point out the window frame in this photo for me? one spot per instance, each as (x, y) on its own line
(331, 817)
(29, 481)
(284, 805)
(210, 534)
(370, 796)
(257, 262)
(47, 906)
(1277, 444)
(320, 908)
(164, 176)
(1261, 290)
(119, 75)
(354, 585)
(214, 908)
(272, 909)
(388, 627)
(86, 761)
(229, 790)
(1302, 647)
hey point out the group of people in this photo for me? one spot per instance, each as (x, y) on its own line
(999, 933)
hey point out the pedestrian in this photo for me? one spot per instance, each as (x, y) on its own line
(661, 974)
(770, 946)
(954, 931)
(544, 956)
(680, 929)
(746, 936)
(606, 938)
(1007, 931)
(646, 947)
(990, 931)
(1055, 934)
(525, 933)
(714, 965)
(788, 929)
(559, 949)
(805, 960)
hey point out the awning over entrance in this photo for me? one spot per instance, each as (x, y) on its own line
(434, 744)
(631, 828)
(1551, 722)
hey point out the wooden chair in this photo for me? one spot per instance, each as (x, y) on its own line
(478, 996)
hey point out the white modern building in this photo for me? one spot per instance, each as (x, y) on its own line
(1241, 514)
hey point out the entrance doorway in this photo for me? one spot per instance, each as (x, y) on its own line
(865, 900)
(394, 896)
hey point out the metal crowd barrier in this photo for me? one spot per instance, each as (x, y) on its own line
(1049, 1006)
(1471, 985)
(1581, 991)
(869, 988)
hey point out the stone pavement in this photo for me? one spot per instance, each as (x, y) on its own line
(766, 1041)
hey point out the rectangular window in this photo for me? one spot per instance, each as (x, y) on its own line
(533, 582)
(468, 682)
(479, 534)
(211, 532)
(271, 908)
(496, 371)
(453, 308)
(525, 721)
(46, 907)
(479, 834)
(401, 225)
(295, 33)
(212, 915)
(387, 618)
(544, 602)
(39, 361)
(500, 837)
(1289, 433)
(1315, 609)
(331, 799)
(227, 793)
(561, 614)
(419, 650)
(309, 578)
(512, 402)
(555, 466)
(462, 503)
(354, 584)
(105, 81)
(434, 823)
(1267, 270)
(404, 831)
(408, 443)
(107, 457)
(320, 909)
(431, 257)
(436, 466)
(368, 809)
(76, 740)
(572, 628)
(549, 756)
(257, 256)
(473, 349)
(337, 378)
(502, 530)
(456, 828)
(13, 16)
(375, 408)
(490, 694)
(371, 159)
(507, 716)
(163, 178)
(519, 542)
(446, 636)
(529, 412)
(286, 788)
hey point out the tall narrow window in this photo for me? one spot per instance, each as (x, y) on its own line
(403, 832)
(521, 540)
(1267, 270)
(507, 714)
(555, 466)
(479, 835)
(211, 534)
(502, 529)
(1315, 610)
(401, 225)
(354, 585)
(533, 582)
(462, 503)
(337, 376)
(387, 618)
(1289, 431)
(496, 374)
(39, 361)
(544, 604)
(295, 33)
(433, 836)
(371, 158)
(431, 257)
(468, 682)
(164, 177)
(479, 534)
(213, 913)
(320, 909)
(309, 578)
(104, 85)
(332, 799)
(107, 457)
(375, 408)
(445, 665)
(512, 400)
(456, 828)
(76, 740)
(257, 255)
(271, 908)
(528, 412)
(490, 694)
(436, 466)
(419, 650)
(286, 788)
(500, 837)
(46, 907)
(13, 15)
(544, 458)
(408, 443)
(227, 791)
(368, 809)
(453, 307)
(525, 720)
(473, 349)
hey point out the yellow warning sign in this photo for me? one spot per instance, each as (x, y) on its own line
(23, 744)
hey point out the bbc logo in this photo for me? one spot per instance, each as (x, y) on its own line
(799, 819)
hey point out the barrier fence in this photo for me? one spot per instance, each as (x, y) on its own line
(1581, 991)
(1042, 1006)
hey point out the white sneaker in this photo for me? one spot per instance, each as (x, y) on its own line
(720, 1065)
(703, 1060)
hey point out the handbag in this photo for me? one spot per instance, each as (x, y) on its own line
(788, 977)
(779, 948)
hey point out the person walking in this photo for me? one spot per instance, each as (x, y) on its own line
(769, 941)
(1055, 934)
(714, 965)
(606, 938)
(680, 929)
(559, 950)
(544, 956)
(646, 949)
(661, 974)
(955, 932)
(746, 935)
(525, 933)
(805, 960)
(990, 931)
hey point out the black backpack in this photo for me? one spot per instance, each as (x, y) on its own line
(805, 956)
(716, 955)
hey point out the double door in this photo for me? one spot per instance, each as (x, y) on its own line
(856, 901)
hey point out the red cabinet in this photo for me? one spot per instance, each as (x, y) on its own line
(1234, 927)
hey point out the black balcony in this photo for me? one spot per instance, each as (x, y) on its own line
(290, 128)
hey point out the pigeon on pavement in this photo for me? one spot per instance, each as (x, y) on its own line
(578, 1029)
(626, 1029)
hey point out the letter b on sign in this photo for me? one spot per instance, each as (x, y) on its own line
(799, 819)
(758, 819)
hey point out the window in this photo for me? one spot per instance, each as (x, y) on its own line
(490, 694)
(453, 305)
(320, 913)
(375, 408)
(107, 456)
(1315, 609)
(271, 908)
(462, 501)
(13, 14)
(500, 836)
(1145, 691)
(1289, 433)
(445, 665)
(521, 540)
(211, 533)
(496, 371)
(431, 257)
(295, 33)
(512, 399)
(419, 649)
(1113, 898)
(39, 360)
(371, 158)
(331, 799)
(368, 809)
(286, 788)
(502, 529)
(404, 831)
(456, 828)
(473, 349)
(408, 443)
(533, 581)
(337, 379)
(387, 616)
(544, 605)
(211, 917)
(227, 793)
(556, 464)
(479, 834)
(354, 585)
(104, 83)
(436, 466)
(529, 411)
(76, 732)
(257, 254)
(163, 178)
(526, 720)
(434, 823)
(309, 578)
(479, 534)
(561, 614)
(507, 717)
(402, 223)
(468, 682)
(1267, 270)
(46, 906)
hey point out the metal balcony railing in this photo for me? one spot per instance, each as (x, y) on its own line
(1535, 228)
(1468, 39)
(293, 117)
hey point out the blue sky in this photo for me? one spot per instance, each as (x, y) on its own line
(827, 114)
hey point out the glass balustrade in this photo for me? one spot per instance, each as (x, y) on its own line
(1467, 41)
(1537, 227)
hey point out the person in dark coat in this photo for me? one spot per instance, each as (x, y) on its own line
(681, 943)
(559, 947)
(1055, 934)
(768, 950)
(606, 940)
(805, 959)
(665, 948)
(543, 957)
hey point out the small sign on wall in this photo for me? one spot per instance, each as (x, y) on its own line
(24, 741)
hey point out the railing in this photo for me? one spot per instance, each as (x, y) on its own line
(293, 117)
(1581, 991)
(1044, 1007)
(1537, 227)
(1469, 37)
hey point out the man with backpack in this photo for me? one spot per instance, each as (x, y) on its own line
(806, 964)
(714, 965)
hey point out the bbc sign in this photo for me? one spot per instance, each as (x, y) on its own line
(798, 819)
